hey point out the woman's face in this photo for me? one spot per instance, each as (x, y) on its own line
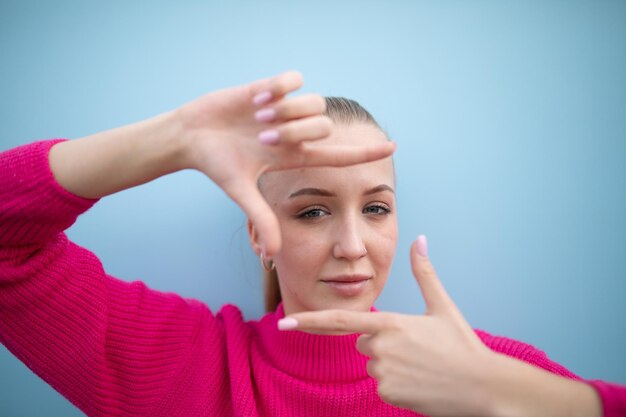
(339, 229)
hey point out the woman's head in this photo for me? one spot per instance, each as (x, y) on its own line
(338, 225)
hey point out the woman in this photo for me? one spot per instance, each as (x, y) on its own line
(117, 348)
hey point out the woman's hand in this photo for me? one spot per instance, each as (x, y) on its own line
(433, 364)
(222, 134)
(436, 365)
(236, 134)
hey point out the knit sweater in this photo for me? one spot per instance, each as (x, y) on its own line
(115, 348)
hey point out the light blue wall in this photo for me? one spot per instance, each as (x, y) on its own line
(510, 119)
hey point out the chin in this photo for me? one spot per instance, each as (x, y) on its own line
(352, 304)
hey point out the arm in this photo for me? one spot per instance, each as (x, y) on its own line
(523, 379)
(111, 161)
(517, 388)
(110, 347)
(217, 135)
(65, 318)
(197, 136)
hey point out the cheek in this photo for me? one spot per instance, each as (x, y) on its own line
(384, 246)
(302, 255)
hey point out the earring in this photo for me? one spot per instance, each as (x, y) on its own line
(267, 266)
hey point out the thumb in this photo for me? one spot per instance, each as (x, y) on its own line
(252, 202)
(436, 298)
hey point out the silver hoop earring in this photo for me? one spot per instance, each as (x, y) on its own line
(267, 266)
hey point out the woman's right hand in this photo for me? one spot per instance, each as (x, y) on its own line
(228, 139)
(217, 134)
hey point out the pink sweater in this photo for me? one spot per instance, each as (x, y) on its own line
(121, 349)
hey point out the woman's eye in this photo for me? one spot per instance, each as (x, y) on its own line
(380, 210)
(313, 213)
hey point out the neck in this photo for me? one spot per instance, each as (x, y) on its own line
(320, 358)
(289, 307)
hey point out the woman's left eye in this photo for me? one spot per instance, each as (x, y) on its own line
(376, 209)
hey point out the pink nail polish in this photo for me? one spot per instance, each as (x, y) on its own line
(265, 115)
(268, 137)
(262, 98)
(422, 245)
(287, 323)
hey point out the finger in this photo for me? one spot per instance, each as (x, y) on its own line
(435, 295)
(339, 155)
(249, 198)
(373, 369)
(337, 321)
(273, 88)
(311, 128)
(364, 344)
(295, 108)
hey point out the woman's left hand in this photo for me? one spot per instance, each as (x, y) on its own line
(433, 364)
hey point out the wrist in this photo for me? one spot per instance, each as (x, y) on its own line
(507, 388)
(170, 133)
(491, 400)
(192, 126)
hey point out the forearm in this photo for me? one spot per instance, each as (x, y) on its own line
(117, 159)
(520, 389)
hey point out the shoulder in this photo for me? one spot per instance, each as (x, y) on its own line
(231, 317)
(231, 314)
(523, 351)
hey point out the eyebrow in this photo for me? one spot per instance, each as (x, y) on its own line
(325, 193)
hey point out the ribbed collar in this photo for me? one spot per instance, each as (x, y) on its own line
(319, 358)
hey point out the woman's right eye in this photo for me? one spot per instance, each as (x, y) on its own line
(313, 213)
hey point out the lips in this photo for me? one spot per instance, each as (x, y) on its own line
(347, 278)
(347, 285)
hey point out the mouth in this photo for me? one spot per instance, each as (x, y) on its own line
(348, 285)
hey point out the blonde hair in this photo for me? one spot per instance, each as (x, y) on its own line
(342, 111)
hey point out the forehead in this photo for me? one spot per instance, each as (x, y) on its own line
(278, 185)
(355, 134)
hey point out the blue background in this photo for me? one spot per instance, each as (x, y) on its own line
(510, 119)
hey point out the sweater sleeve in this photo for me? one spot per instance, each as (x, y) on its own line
(108, 346)
(613, 396)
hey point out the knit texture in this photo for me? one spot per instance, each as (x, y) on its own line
(115, 348)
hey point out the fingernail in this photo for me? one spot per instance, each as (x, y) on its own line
(265, 115)
(422, 245)
(268, 137)
(287, 323)
(262, 98)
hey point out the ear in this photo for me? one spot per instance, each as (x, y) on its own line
(253, 235)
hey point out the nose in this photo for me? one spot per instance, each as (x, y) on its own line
(349, 243)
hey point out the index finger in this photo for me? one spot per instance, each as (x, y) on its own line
(336, 322)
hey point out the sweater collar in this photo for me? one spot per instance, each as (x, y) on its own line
(319, 358)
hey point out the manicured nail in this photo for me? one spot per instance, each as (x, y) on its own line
(265, 115)
(287, 323)
(262, 98)
(422, 245)
(268, 137)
